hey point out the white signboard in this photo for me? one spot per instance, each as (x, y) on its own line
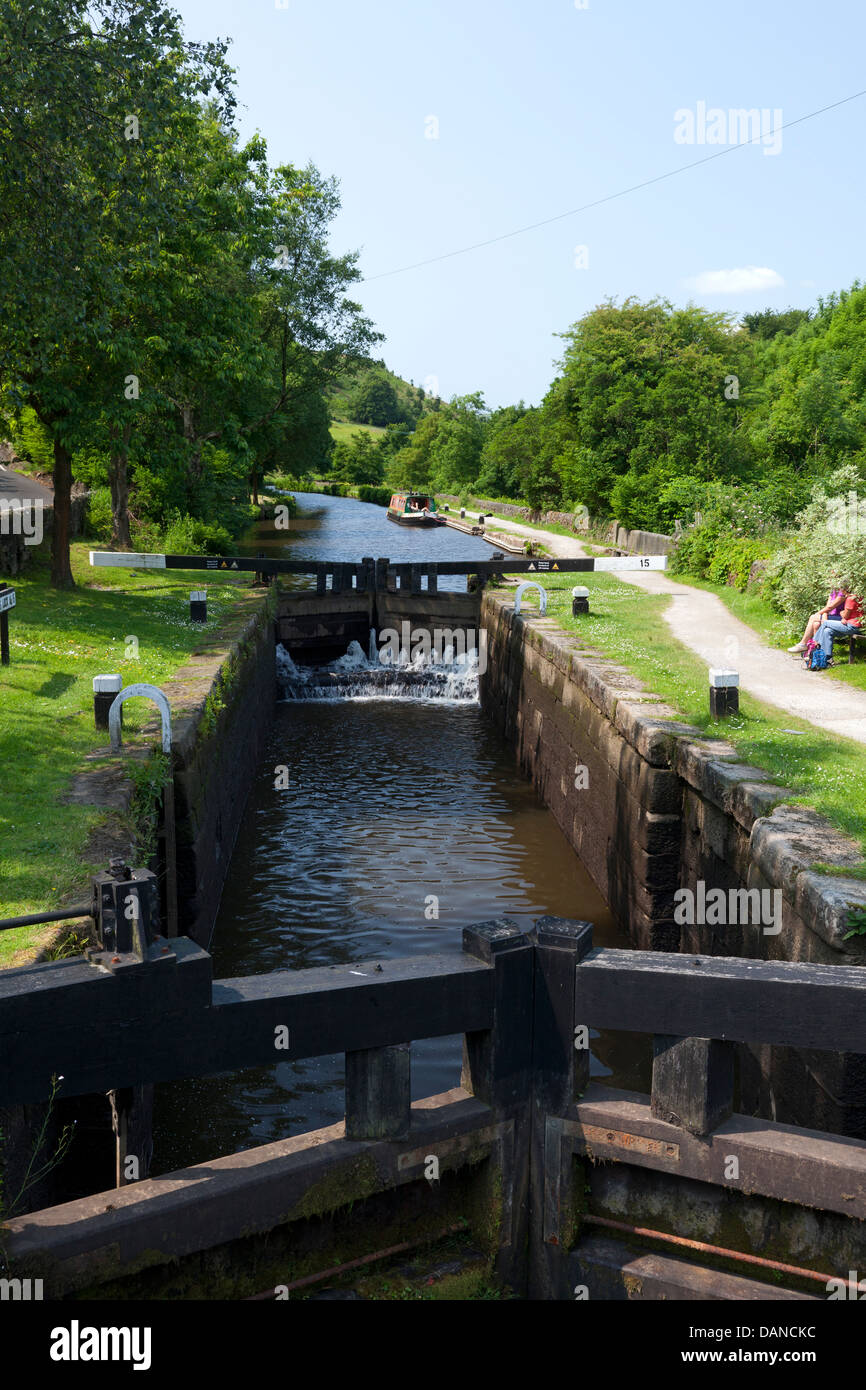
(123, 559)
(632, 562)
(7, 601)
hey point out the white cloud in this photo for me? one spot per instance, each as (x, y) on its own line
(741, 280)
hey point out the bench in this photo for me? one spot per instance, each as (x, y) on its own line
(852, 639)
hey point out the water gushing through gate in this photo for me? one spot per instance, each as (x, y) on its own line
(355, 676)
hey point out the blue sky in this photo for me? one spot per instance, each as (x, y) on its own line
(539, 106)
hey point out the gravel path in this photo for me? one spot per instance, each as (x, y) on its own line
(702, 622)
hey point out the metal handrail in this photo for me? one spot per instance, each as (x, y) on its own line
(34, 918)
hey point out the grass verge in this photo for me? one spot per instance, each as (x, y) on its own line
(133, 623)
(342, 430)
(626, 624)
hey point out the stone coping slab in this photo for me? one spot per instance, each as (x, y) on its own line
(786, 841)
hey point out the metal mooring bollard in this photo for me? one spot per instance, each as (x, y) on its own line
(579, 600)
(724, 693)
(105, 688)
(198, 606)
(126, 909)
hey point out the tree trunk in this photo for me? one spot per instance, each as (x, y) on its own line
(118, 478)
(61, 570)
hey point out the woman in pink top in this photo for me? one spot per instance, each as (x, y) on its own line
(849, 623)
(832, 608)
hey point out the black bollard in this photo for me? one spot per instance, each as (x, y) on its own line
(579, 600)
(198, 606)
(724, 693)
(262, 578)
(105, 688)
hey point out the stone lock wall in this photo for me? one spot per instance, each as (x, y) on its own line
(640, 542)
(666, 807)
(222, 703)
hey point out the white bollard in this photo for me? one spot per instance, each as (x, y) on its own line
(579, 600)
(105, 688)
(724, 692)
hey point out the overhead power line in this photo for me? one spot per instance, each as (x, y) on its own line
(611, 197)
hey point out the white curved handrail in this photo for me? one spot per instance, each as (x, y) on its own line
(150, 692)
(521, 590)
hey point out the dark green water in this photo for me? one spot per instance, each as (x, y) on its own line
(403, 822)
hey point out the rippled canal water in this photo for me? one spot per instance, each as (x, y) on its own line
(404, 821)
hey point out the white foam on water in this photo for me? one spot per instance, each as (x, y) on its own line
(451, 680)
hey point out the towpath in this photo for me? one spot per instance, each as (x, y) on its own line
(702, 622)
(19, 487)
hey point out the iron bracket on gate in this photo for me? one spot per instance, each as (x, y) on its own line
(126, 912)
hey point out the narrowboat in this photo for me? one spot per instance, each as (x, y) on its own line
(414, 509)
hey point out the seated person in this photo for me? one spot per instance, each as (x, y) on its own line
(832, 608)
(849, 621)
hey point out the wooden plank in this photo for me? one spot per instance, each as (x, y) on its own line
(613, 1272)
(86, 994)
(497, 1069)
(497, 1060)
(132, 1121)
(693, 1082)
(378, 1095)
(224, 1199)
(8, 599)
(102, 1032)
(775, 1002)
(484, 568)
(805, 1166)
(560, 1064)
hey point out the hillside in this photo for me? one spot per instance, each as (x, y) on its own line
(374, 398)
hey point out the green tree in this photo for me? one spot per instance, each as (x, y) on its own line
(412, 466)
(374, 401)
(455, 451)
(769, 323)
(173, 306)
(813, 416)
(500, 472)
(649, 393)
(360, 461)
(67, 172)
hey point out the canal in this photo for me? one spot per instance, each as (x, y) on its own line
(376, 828)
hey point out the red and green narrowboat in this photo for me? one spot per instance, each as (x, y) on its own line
(414, 509)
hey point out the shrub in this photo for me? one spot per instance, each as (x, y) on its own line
(99, 521)
(733, 558)
(381, 496)
(145, 536)
(287, 482)
(815, 561)
(187, 536)
(819, 556)
(735, 530)
(32, 441)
